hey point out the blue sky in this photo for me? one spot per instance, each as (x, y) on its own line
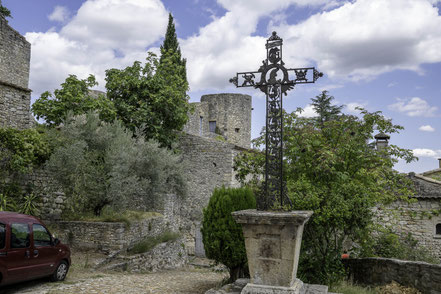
(379, 54)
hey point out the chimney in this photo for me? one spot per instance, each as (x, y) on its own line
(439, 162)
(382, 140)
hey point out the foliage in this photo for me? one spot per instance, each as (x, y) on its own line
(100, 163)
(7, 203)
(110, 215)
(222, 236)
(5, 12)
(171, 47)
(345, 287)
(322, 105)
(21, 150)
(391, 245)
(331, 170)
(74, 98)
(151, 98)
(30, 205)
(149, 243)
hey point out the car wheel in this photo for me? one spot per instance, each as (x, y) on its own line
(61, 272)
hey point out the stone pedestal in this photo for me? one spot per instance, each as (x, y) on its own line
(272, 241)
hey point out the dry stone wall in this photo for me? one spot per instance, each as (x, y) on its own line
(15, 55)
(379, 271)
(106, 237)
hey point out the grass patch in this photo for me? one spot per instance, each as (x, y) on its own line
(347, 288)
(109, 215)
(148, 243)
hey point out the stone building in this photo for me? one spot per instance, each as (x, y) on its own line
(420, 218)
(15, 96)
(226, 115)
(219, 128)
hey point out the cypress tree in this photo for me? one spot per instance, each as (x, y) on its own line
(326, 111)
(4, 11)
(171, 46)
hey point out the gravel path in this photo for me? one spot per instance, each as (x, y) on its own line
(190, 281)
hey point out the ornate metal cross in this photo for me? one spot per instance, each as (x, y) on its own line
(274, 80)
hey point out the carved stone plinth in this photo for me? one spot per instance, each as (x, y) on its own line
(272, 241)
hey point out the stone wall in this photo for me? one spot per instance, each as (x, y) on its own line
(379, 271)
(231, 114)
(51, 196)
(419, 217)
(209, 164)
(106, 237)
(165, 256)
(15, 54)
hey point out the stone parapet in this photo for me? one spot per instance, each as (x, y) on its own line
(380, 271)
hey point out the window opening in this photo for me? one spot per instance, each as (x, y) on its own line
(212, 125)
(237, 130)
(438, 229)
(20, 236)
(200, 125)
(41, 236)
(2, 236)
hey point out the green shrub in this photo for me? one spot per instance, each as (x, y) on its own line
(388, 244)
(148, 243)
(345, 287)
(101, 164)
(222, 236)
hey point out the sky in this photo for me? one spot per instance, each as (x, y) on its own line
(382, 55)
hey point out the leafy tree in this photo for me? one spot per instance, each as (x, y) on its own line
(322, 105)
(171, 47)
(4, 11)
(222, 236)
(151, 97)
(73, 97)
(330, 169)
(22, 150)
(100, 163)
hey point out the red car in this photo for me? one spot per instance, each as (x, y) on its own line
(28, 251)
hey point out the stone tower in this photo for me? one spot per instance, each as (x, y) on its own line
(15, 96)
(227, 115)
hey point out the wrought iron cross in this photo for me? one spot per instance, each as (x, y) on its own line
(274, 80)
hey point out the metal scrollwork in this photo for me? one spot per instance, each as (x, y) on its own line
(272, 78)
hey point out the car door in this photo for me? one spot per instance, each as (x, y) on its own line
(44, 253)
(3, 250)
(17, 257)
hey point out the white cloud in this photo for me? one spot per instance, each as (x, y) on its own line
(225, 46)
(60, 14)
(393, 84)
(352, 107)
(346, 39)
(103, 34)
(364, 38)
(427, 128)
(422, 152)
(414, 107)
(308, 111)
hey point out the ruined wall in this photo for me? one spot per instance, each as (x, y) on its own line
(15, 98)
(231, 114)
(380, 271)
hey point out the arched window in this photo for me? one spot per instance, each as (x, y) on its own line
(438, 229)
